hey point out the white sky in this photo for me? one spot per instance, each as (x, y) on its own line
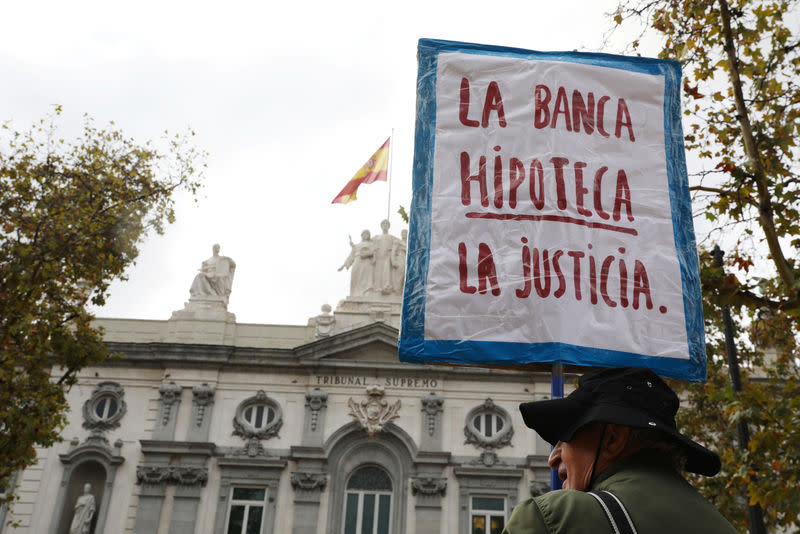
(289, 99)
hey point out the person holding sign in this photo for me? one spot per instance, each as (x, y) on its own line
(619, 455)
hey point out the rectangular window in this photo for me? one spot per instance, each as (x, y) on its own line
(246, 510)
(488, 515)
(367, 512)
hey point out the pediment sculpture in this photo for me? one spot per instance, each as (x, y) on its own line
(214, 279)
(210, 291)
(377, 263)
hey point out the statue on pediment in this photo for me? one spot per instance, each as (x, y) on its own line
(377, 264)
(361, 263)
(215, 278)
(210, 292)
(399, 251)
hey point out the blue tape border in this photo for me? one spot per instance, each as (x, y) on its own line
(415, 348)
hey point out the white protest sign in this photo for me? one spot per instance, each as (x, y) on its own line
(550, 220)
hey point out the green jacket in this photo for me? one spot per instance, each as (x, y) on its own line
(657, 498)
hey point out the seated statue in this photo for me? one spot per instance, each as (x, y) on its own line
(215, 278)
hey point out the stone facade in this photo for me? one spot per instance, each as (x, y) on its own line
(203, 420)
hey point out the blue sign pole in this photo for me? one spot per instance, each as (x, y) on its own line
(556, 392)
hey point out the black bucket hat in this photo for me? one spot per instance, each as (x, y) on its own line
(634, 397)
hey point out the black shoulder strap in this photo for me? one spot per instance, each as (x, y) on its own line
(615, 512)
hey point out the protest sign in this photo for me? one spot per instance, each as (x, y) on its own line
(550, 219)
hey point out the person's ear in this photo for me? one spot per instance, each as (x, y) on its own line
(615, 439)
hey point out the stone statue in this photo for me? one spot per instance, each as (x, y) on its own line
(215, 278)
(399, 250)
(384, 245)
(84, 512)
(378, 264)
(362, 261)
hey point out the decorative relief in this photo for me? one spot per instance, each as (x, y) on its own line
(488, 426)
(170, 474)
(190, 476)
(105, 407)
(431, 405)
(153, 475)
(488, 458)
(170, 394)
(308, 481)
(374, 412)
(257, 417)
(315, 400)
(428, 486)
(324, 323)
(203, 396)
(252, 449)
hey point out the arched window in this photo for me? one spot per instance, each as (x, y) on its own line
(368, 502)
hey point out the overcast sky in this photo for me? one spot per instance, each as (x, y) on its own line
(288, 98)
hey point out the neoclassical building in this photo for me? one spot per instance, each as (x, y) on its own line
(206, 425)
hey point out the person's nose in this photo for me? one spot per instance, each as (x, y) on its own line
(555, 456)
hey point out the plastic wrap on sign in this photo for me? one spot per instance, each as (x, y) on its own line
(550, 219)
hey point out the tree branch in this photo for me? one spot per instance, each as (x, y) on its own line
(751, 151)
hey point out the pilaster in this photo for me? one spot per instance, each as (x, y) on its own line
(168, 403)
(432, 408)
(182, 464)
(314, 425)
(202, 405)
(309, 481)
(429, 486)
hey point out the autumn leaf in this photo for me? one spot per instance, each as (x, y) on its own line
(741, 109)
(74, 214)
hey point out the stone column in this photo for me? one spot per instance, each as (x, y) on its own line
(190, 480)
(153, 479)
(167, 411)
(428, 509)
(159, 471)
(314, 425)
(429, 486)
(310, 479)
(202, 404)
(431, 422)
(308, 487)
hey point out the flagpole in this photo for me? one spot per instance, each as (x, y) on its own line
(389, 179)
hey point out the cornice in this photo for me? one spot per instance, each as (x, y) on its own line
(309, 359)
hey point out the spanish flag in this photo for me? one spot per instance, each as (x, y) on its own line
(373, 170)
